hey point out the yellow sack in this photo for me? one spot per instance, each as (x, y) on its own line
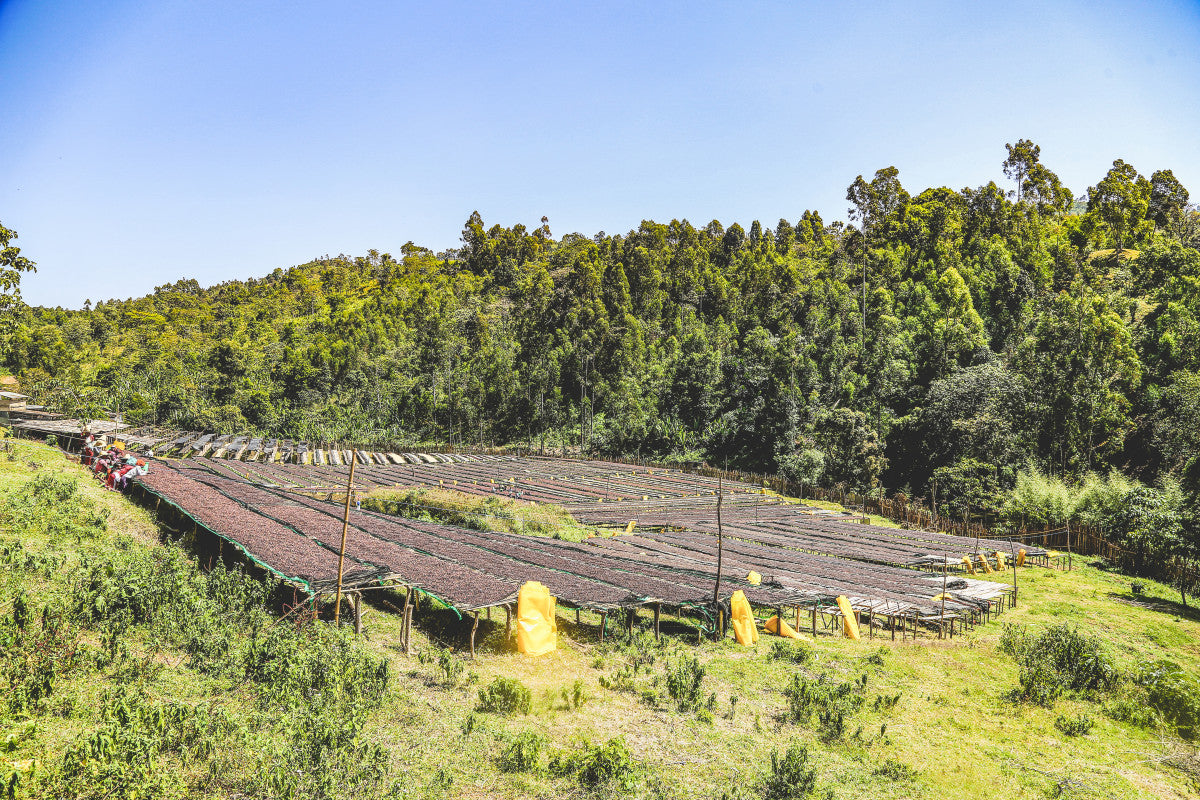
(970, 566)
(942, 596)
(780, 628)
(754, 578)
(849, 621)
(1021, 557)
(537, 633)
(999, 561)
(742, 619)
(629, 527)
(983, 560)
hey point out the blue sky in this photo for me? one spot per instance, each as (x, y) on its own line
(143, 142)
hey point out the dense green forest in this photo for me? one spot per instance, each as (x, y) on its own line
(958, 336)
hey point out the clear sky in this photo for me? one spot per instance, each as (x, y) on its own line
(143, 142)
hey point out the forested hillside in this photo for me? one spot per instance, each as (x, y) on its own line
(963, 335)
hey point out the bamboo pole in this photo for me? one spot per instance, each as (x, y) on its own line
(337, 607)
(942, 625)
(720, 548)
(1068, 545)
(1013, 556)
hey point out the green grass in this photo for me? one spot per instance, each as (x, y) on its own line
(953, 732)
(502, 514)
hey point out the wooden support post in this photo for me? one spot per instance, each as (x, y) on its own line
(797, 626)
(814, 619)
(942, 621)
(357, 597)
(507, 622)
(406, 627)
(474, 627)
(337, 608)
(629, 620)
(603, 623)
(892, 625)
(577, 616)
(1068, 545)
(657, 612)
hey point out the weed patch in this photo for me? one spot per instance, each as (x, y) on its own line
(608, 768)
(505, 696)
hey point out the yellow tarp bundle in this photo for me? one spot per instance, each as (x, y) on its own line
(849, 621)
(983, 560)
(999, 560)
(742, 619)
(970, 566)
(780, 628)
(753, 578)
(1021, 557)
(629, 527)
(537, 633)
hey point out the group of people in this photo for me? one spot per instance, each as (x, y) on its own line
(114, 466)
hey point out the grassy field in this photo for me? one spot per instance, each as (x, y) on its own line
(630, 716)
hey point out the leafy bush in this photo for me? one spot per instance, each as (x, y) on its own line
(523, 753)
(684, 679)
(1173, 694)
(609, 767)
(1040, 684)
(1059, 659)
(1079, 725)
(573, 697)
(790, 776)
(506, 696)
(1134, 711)
(830, 703)
(52, 506)
(33, 661)
(451, 668)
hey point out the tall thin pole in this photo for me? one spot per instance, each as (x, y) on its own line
(1012, 554)
(942, 622)
(1068, 545)
(337, 606)
(720, 548)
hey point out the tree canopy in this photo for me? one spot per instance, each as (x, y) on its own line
(966, 334)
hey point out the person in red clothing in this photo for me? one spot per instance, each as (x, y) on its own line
(89, 449)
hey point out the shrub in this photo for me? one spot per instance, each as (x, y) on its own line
(451, 668)
(1079, 725)
(523, 753)
(1173, 694)
(506, 696)
(610, 767)
(574, 697)
(1133, 711)
(790, 776)
(684, 680)
(1040, 684)
(1058, 659)
(830, 703)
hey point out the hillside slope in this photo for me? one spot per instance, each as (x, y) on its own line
(129, 672)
